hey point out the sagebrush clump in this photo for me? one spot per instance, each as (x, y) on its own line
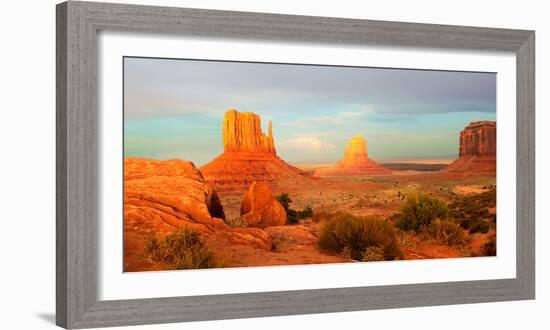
(419, 210)
(359, 238)
(181, 249)
(473, 213)
(446, 232)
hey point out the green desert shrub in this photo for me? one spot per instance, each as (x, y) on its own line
(293, 216)
(472, 210)
(307, 212)
(285, 200)
(446, 232)
(479, 226)
(373, 253)
(419, 210)
(360, 238)
(182, 249)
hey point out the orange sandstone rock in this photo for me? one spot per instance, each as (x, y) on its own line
(249, 155)
(355, 161)
(260, 209)
(161, 196)
(477, 151)
(172, 191)
(242, 131)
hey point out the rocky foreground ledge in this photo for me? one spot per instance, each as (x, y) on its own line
(163, 196)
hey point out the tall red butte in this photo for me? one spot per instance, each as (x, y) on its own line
(355, 161)
(478, 149)
(249, 155)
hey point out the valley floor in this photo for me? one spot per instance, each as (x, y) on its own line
(380, 196)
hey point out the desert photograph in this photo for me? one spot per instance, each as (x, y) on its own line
(243, 164)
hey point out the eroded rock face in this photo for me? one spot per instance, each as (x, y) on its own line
(260, 209)
(477, 151)
(249, 155)
(171, 191)
(242, 132)
(161, 196)
(355, 161)
(479, 138)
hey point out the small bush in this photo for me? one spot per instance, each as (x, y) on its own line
(360, 238)
(479, 226)
(490, 247)
(446, 232)
(373, 253)
(419, 210)
(305, 213)
(293, 216)
(182, 249)
(473, 210)
(285, 200)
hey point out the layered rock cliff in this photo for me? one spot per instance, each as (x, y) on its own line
(249, 155)
(477, 150)
(479, 138)
(242, 132)
(161, 196)
(355, 161)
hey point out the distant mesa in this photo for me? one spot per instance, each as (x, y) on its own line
(249, 155)
(478, 146)
(355, 162)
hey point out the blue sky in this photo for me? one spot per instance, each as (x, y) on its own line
(174, 108)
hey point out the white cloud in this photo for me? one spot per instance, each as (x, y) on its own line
(338, 117)
(308, 143)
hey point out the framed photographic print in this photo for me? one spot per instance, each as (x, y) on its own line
(216, 165)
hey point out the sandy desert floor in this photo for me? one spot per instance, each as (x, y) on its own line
(380, 196)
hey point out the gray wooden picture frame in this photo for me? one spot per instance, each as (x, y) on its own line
(78, 24)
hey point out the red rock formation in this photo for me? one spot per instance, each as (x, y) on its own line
(242, 132)
(477, 151)
(260, 209)
(355, 162)
(172, 191)
(249, 155)
(160, 196)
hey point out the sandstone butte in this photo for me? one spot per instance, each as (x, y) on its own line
(160, 196)
(249, 155)
(477, 151)
(355, 161)
(260, 209)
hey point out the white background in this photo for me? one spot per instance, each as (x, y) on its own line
(27, 250)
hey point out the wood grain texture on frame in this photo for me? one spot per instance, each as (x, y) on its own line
(78, 24)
